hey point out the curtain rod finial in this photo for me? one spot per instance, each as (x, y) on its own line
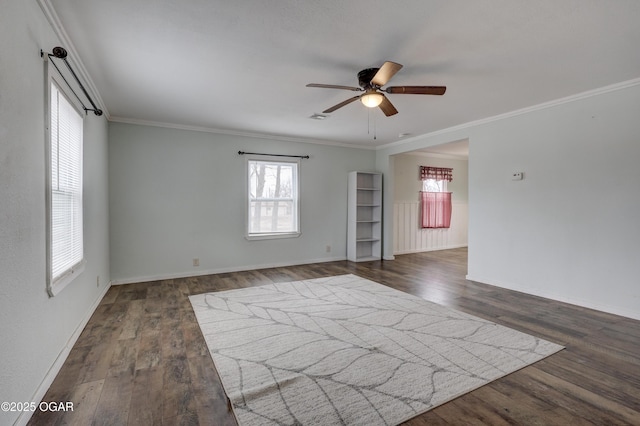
(59, 52)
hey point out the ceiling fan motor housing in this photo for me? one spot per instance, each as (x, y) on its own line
(365, 76)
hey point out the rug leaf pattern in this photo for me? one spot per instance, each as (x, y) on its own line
(346, 350)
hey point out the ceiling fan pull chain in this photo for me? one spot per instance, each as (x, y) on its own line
(375, 136)
(369, 124)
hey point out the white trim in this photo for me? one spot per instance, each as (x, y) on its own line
(54, 78)
(235, 133)
(48, 379)
(538, 107)
(437, 155)
(54, 288)
(257, 237)
(223, 270)
(297, 179)
(447, 247)
(602, 307)
(56, 25)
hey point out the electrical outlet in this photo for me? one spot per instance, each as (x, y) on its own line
(196, 262)
(517, 176)
(328, 248)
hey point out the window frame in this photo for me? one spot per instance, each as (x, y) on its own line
(56, 284)
(296, 198)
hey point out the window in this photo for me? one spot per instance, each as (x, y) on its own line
(432, 185)
(273, 206)
(435, 201)
(64, 193)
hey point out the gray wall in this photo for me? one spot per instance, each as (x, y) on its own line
(177, 195)
(35, 330)
(569, 230)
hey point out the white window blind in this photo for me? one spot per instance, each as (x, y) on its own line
(66, 245)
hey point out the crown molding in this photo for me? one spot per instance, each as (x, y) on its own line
(229, 132)
(56, 25)
(436, 155)
(538, 107)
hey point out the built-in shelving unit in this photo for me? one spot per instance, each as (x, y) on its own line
(364, 227)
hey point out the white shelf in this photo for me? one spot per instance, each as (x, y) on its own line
(364, 227)
(368, 259)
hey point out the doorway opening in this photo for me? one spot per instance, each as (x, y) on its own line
(408, 236)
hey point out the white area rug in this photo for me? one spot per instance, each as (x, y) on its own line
(346, 350)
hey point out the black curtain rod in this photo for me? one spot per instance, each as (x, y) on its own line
(61, 53)
(273, 155)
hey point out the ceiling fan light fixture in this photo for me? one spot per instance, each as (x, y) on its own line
(371, 99)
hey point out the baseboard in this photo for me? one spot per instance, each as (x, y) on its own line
(25, 416)
(615, 310)
(430, 249)
(185, 274)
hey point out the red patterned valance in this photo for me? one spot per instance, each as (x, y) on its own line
(437, 173)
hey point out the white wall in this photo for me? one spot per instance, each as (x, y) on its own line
(569, 230)
(408, 237)
(35, 330)
(177, 195)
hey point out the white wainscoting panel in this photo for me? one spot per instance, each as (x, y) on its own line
(408, 237)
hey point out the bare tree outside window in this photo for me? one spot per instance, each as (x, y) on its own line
(273, 197)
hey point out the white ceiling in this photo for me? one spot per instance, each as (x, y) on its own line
(242, 66)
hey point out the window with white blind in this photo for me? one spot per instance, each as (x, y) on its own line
(273, 208)
(65, 248)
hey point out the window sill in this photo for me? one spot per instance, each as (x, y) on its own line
(56, 287)
(253, 237)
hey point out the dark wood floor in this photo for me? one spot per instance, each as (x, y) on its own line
(142, 360)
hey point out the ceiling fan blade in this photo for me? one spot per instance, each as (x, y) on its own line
(340, 105)
(334, 86)
(417, 90)
(387, 107)
(384, 74)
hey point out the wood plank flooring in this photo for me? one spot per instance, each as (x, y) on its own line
(141, 360)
